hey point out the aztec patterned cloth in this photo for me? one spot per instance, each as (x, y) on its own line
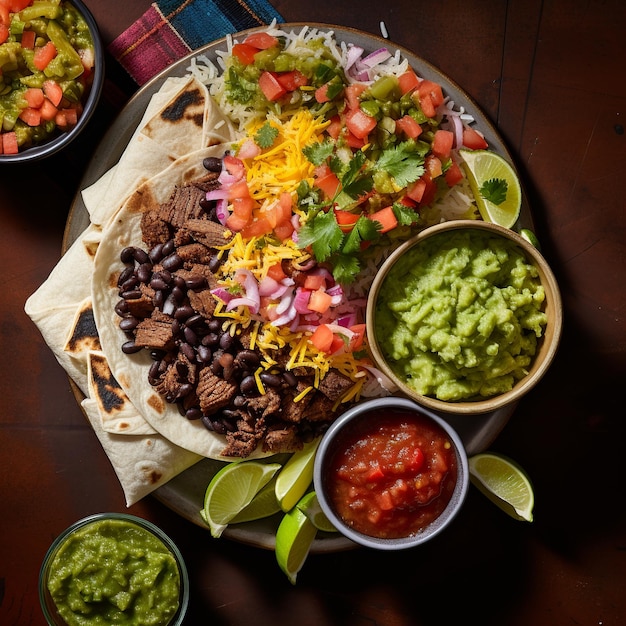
(171, 29)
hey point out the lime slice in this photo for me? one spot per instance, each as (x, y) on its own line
(505, 483)
(530, 237)
(262, 505)
(483, 166)
(296, 476)
(294, 537)
(232, 489)
(311, 508)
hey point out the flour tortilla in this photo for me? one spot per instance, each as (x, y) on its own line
(131, 371)
(180, 118)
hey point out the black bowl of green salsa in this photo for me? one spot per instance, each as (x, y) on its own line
(113, 568)
(51, 76)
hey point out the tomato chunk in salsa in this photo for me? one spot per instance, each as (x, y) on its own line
(393, 474)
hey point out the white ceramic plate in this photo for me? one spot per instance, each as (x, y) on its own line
(185, 493)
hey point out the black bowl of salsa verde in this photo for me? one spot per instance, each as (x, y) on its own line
(113, 568)
(51, 77)
(390, 474)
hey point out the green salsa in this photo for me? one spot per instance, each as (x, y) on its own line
(113, 571)
(459, 315)
(56, 27)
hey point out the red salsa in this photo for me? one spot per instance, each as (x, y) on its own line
(393, 475)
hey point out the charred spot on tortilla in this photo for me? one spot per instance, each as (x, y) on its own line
(109, 394)
(157, 403)
(178, 110)
(84, 334)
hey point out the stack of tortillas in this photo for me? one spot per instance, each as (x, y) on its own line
(181, 119)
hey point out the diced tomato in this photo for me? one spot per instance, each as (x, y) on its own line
(353, 93)
(239, 190)
(245, 53)
(417, 460)
(432, 89)
(406, 201)
(359, 336)
(17, 5)
(234, 166)
(60, 119)
(9, 143)
(354, 142)
(329, 184)
(292, 80)
(337, 343)
(71, 116)
(422, 190)
(4, 33)
(442, 143)
(321, 94)
(319, 301)
(433, 166)
(374, 474)
(28, 39)
(261, 41)
(314, 281)
(335, 126)
(284, 231)
(322, 338)
(359, 123)
(473, 140)
(386, 218)
(270, 86)
(30, 116)
(346, 220)
(34, 96)
(408, 81)
(5, 14)
(427, 105)
(453, 174)
(256, 228)
(242, 207)
(44, 55)
(48, 110)
(409, 127)
(276, 272)
(283, 208)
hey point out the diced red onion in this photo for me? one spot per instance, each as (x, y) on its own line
(352, 56)
(301, 301)
(375, 58)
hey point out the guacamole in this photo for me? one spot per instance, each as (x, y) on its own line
(113, 571)
(460, 314)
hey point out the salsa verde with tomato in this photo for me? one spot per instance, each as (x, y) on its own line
(393, 474)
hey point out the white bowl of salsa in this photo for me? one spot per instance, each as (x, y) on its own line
(389, 474)
(113, 568)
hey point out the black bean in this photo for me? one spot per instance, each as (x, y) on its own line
(172, 262)
(153, 372)
(214, 263)
(156, 254)
(164, 275)
(248, 385)
(144, 272)
(204, 354)
(271, 380)
(290, 378)
(141, 256)
(183, 312)
(127, 255)
(168, 248)
(249, 358)
(178, 294)
(196, 281)
(132, 294)
(211, 340)
(182, 369)
(207, 205)
(125, 274)
(194, 319)
(185, 390)
(229, 424)
(128, 323)
(130, 283)
(226, 341)
(158, 283)
(212, 164)
(130, 347)
(218, 427)
(239, 402)
(214, 325)
(190, 336)
(188, 351)
(158, 299)
(194, 413)
(121, 308)
(179, 281)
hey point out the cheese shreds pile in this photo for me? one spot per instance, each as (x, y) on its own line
(276, 170)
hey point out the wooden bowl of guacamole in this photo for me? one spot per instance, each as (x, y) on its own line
(114, 568)
(464, 318)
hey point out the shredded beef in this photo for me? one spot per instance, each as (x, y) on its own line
(213, 391)
(155, 332)
(183, 204)
(334, 385)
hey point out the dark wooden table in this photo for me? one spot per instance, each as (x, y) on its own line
(550, 75)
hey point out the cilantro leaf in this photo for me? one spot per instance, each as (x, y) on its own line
(318, 152)
(494, 190)
(266, 135)
(239, 89)
(345, 268)
(403, 162)
(356, 181)
(405, 215)
(322, 233)
(363, 230)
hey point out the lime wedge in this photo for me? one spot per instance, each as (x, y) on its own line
(310, 506)
(483, 166)
(232, 489)
(296, 476)
(294, 537)
(530, 237)
(505, 483)
(262, 505)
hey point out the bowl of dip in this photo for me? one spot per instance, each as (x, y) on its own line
(113, 568)
(465, 317)
(390, 474)
(51, 78)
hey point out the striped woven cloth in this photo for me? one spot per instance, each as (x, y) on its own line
(171, 29)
